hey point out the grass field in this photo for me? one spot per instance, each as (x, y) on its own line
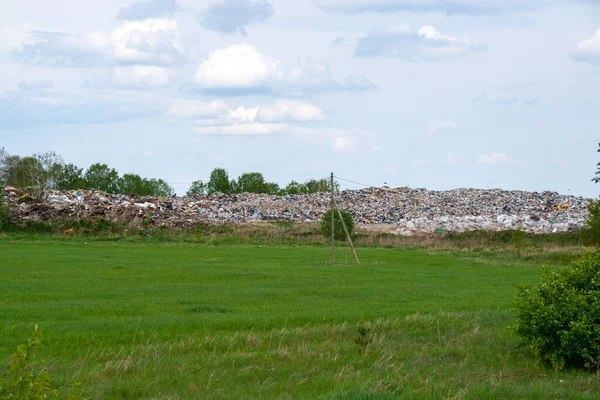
(181, 321)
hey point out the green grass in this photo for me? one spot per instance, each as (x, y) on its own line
(178, 320)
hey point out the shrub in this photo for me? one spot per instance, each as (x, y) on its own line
(591, 229)
(339, 230)
(560, 319)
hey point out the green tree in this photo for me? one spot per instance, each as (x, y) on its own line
(318, 186)
(596, 179)
(26, 172)
(67, 177)
(133, 184)
(101, 177)
(198, 187)
(339, 233)
(295, 188)
(250, 182)
(591, 229)
(159, 188)
(219, 181)
(272, 188)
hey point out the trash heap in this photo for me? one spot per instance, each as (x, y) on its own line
(403, 211)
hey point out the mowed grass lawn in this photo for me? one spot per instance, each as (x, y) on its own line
(177, 321)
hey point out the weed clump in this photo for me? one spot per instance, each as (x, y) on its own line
(560, 319)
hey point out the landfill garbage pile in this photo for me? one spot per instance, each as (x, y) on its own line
(404, 211)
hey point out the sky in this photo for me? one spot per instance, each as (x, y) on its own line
(436, 94)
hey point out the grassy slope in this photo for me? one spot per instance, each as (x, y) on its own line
(182, 321)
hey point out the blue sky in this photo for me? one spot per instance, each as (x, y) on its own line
(421, 93)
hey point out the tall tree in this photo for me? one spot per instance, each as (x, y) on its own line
(219, 181)
(101, 177)
(67, 177)
(197, 187)
(250, 182)
(159, 188)
(132, 184)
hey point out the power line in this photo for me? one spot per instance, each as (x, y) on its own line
(357, 183)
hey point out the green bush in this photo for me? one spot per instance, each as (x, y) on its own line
(560, 319)
(4, 213)
(339, 230)
(591, 230)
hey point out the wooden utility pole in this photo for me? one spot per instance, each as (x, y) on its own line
(347, 233)
(332, 222)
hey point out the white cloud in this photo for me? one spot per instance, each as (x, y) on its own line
(345, 143)
(238, 67)
(243, 114)
(150, 42)
(242, 69)
(281, 111)
(141, 76)
(451, 158)
(443, 6)
(495, 159)
(339, 140)
(196, 109)
(438, 125)
(253, 128)
(427, 44)
(588, 50)
(289, 110)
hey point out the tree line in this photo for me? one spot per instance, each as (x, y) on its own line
(48, 170)
(254, 182)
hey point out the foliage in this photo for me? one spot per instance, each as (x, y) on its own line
(318, 186)
(339, 233)
(596, 179)
(518, 240)
(5, 212)
(310, 186)
(591, 230)
(27, 379)
(198, 187)
(67, 177)
(219, 181)
(159, 188)
(101, 177)
(560, 319)
(253, 182)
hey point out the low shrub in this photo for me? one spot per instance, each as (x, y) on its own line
(591, 230)
(338, 228)
(560, 319)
